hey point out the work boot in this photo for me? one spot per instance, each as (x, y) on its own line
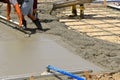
(74, 12)
(38, 24)
(24, 23)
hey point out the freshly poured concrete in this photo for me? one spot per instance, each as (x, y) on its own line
(32, 55)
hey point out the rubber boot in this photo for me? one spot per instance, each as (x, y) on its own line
(24, 23)
(38, 24)
(74, 10)
(17, 8)
(82, 11)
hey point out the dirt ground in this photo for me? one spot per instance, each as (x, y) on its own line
(101, 52)
(95, 38)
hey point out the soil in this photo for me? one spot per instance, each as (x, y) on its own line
(102, 53)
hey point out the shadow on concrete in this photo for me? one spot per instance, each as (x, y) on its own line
(27, 30)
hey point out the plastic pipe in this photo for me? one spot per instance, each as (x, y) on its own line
(65, 73)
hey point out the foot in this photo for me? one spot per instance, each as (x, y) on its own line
(24, 24)
(73, 15)
(38, 24)
(8, 18)
(23, 27)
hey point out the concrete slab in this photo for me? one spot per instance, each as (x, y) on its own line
(112, 21)
(111, 38)
(104, 25)
(32, 55)
(94, 22)
(68, 20)
(75, 23)
(99, 22)
(118, 24)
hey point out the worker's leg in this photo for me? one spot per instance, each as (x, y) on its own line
(74, 10)
(17, 8)
(27, 9)
(8, 11)
(14, 10)
(81, 11)
(35, 13)
(24, 22)
(35, 8)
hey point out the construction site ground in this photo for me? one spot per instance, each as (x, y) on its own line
(95, 38)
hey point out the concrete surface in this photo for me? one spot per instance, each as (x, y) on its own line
(18, 57)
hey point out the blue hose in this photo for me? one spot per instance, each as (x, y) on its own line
(64, 72)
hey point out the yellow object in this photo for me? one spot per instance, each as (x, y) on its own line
(82, 8)
(74, 10)
(82, 11)
(105, 2)
(74, 7)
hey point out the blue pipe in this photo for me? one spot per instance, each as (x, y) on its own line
(64, 72)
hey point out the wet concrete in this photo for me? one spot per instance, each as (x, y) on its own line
(18, 57)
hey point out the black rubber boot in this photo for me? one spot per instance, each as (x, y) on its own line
(24, 24)
(74, 12)
(38, 24)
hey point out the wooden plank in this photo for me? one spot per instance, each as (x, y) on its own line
(39, 76)
(67, 3)
(113, 6)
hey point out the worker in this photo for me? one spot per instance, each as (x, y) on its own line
(82, 11)
(17, 9)
(27, 10)
(74, 11)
